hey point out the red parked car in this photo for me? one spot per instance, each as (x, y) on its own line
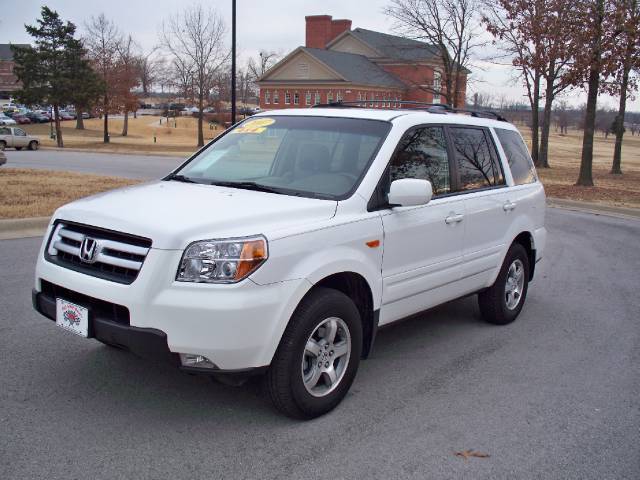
(21, 119)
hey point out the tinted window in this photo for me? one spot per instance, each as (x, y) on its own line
(19, 133)
(520, 162)
(422, 153)
(477, 164)
(5, 131)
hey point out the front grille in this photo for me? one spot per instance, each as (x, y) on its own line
(98, 308)
(116, 256)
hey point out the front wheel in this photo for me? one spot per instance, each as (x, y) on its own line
(3, 145)
(501, 303)
(33, 145)
(318, 356)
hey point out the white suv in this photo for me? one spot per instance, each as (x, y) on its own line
(283, 245)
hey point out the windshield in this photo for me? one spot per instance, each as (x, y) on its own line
(309, 156)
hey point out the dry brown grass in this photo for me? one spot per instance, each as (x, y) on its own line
(170, 140)
(37, 193)
(564, 159)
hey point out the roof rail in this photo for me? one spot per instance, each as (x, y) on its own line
(429, 107)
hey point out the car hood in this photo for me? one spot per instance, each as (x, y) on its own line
(174, 214)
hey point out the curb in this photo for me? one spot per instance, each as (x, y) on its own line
(594, 208)
(14, 228)
(183, 154)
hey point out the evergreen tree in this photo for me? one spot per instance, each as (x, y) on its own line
(53, 70)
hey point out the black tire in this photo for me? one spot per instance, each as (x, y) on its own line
(284, 379)
(33, 145)
(3, 145)
(493, 301)
(18, 148)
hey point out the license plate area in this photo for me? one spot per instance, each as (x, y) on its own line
(72, 317)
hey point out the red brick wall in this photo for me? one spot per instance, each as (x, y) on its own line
(348, 95)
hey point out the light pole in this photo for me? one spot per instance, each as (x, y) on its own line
(233, 62)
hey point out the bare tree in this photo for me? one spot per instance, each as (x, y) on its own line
(149, 67)
(195, 37)
(453, 27)
(257, 67)
(102, 41)
(126, 79)
(627, 59)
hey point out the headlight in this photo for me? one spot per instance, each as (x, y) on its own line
(222, 261)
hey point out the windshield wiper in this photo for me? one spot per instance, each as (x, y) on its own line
(180, 178)
(250, 186)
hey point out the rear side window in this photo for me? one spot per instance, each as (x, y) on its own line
(475, 158)
(422, 153)
(520, 162)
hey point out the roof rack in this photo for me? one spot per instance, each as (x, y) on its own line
(428, 107)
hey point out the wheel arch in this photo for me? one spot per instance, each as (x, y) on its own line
(528, 242)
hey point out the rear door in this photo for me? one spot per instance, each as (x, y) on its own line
(481, 183)
(423, 244)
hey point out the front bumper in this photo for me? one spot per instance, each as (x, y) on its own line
(236, 326)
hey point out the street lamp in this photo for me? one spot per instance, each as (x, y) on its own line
(233, 62)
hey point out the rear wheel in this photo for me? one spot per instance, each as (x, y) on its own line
(318, 356)
(33, 145)
(3, 145)
(501, 303)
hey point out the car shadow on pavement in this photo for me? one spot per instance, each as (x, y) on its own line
(105, 381)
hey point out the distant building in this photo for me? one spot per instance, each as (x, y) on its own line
(8, 81)
(340, 64)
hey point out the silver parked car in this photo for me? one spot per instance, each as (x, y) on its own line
(17, 138)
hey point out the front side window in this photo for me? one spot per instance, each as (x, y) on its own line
(422, 153)
(310, 156)
(5, 131)
(477, 164)
(520, 163)
(19, 133)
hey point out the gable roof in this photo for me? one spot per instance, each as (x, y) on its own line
(392, 46)
(5, 50)
(350, 67)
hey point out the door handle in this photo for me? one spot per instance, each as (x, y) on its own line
(457, 218)
(508, 206)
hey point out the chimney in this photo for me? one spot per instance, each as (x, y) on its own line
(321, 29)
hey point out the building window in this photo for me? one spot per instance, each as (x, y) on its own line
(316, 100)
(267, 97)
(371, 99)
(339, 96)
(287, 98)
(437, 86)
(296, 98)
(307, 98)
(276, 97)
(329, 97)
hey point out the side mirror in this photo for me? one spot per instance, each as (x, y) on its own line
(410, 192)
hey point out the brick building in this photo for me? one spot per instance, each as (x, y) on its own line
(341, 64)
(8, 81)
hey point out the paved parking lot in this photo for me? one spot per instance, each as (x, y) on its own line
(554, 395)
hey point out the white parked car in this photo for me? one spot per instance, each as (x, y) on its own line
(282, 246)
(17, 138)
(6, 120)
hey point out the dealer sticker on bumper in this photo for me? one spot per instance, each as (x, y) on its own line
(72, 317)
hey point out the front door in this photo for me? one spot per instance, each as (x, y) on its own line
(423, 244)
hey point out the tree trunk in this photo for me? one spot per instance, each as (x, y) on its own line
(543, 154)
(56, 116)
(535, 122)
(585, 177)
(125, 124)
(616, 168)
(200, 132)
(79, 119)
(106, 120)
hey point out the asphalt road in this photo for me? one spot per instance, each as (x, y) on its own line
(556, 395)
(144, 167)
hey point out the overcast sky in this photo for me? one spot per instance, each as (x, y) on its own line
(271, 25)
